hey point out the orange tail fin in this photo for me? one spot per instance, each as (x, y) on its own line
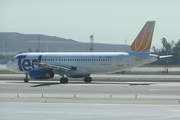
(142, 43)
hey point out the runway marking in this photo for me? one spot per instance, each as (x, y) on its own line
(173, 110)
(154, 89)
(71, 85)
(158, 118)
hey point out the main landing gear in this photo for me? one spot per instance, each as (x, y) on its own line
(64, 80)
(87, 79)
(26, 78)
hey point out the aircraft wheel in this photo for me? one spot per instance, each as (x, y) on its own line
(87, 79)
(26, 80)
(64, 80)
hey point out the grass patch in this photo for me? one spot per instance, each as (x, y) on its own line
(159, 66)
(154, 73)
(131, 73)
(7, 72)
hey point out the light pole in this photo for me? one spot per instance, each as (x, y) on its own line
(167, 57)
(6, 50)
(38, 43)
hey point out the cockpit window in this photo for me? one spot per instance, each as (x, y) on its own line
(13, 59)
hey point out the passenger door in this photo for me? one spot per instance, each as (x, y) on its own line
(119, 60)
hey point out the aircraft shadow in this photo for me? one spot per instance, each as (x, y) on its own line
(41, 84)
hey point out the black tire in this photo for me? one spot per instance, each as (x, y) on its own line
(64, 80)
(87, 79)
(26, 80)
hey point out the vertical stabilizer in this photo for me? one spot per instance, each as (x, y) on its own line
(142, 43)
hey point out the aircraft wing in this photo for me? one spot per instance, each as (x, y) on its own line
(51, 67)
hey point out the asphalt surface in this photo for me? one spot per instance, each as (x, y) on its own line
(44, 100)
(50, 100)
(83, 111)
(136, 69)
(105, 77)
(49, 89)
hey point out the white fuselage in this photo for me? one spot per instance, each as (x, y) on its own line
(85, 62)
(82, 64)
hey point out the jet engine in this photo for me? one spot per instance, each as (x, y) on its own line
(40, 74)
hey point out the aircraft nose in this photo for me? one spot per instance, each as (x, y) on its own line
(9, 65)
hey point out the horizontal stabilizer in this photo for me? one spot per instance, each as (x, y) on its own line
(165, 56)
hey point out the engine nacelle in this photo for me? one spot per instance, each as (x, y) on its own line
(75, 76)
(40, 74)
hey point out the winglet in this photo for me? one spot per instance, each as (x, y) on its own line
(142, 43)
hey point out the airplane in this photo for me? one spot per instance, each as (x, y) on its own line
(82, 64)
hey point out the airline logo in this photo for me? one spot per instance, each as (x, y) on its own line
(26, 64)
(142, 43)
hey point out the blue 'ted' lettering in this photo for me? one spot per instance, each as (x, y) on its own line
(26, 63)
(35, 60)
(39, 58)
(20, 57)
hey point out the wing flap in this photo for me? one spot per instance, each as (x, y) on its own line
(53, 67)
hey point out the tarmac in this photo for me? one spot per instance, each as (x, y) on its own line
(104, 98)
(97, 100)
(83, 111)
(136, 69)
(106, 78)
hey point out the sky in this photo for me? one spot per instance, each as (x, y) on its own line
(110, 21)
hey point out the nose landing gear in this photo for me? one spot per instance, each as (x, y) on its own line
(26, 78)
